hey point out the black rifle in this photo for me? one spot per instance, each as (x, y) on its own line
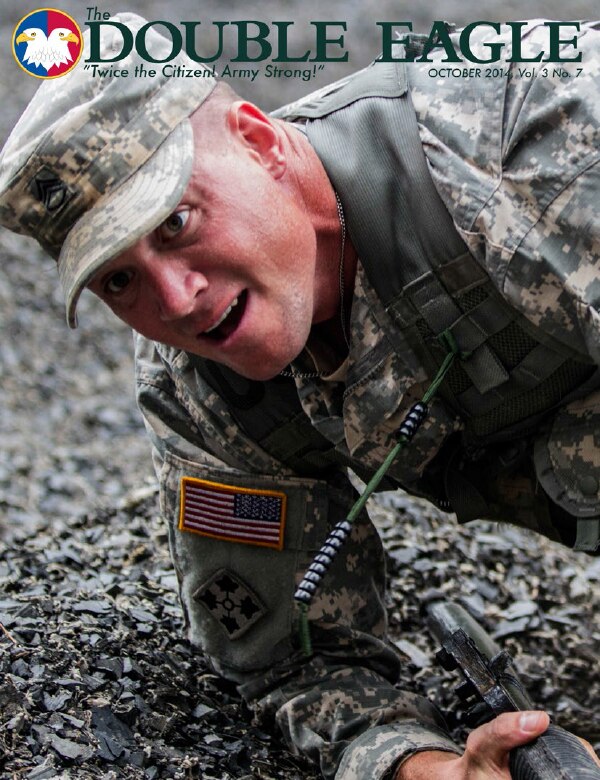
(491, 682)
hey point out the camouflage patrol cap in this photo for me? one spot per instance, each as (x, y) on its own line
(97, 162)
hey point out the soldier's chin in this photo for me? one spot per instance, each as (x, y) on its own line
(258, 373)
(262, 368)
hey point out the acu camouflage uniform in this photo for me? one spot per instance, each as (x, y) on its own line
(515, 161)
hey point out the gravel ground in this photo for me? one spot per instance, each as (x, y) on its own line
(96, 680)
(95, 677)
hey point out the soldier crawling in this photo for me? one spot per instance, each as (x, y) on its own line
(297, 282)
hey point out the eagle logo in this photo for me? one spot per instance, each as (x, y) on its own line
(47, 43)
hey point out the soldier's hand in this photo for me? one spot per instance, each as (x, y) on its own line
(486, 752)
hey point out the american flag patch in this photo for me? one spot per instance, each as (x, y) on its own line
(232, 514)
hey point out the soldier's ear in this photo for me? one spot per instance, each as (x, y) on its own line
(259, 135)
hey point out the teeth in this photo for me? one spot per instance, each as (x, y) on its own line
(225, 314)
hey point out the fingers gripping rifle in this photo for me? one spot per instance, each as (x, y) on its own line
(491, 686)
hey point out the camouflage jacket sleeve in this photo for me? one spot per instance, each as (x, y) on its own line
(514, 153)
(343, 706)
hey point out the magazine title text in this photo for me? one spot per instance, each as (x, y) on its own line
(256, 41)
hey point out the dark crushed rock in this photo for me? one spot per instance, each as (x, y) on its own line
(537, 599)
(96, 679)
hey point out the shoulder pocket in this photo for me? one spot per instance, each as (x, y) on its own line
(239, 542)
(567, 459)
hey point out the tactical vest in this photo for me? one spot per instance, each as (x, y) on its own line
(424, 275)
(420, 267)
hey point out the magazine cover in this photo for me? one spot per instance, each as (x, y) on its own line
(300, 406)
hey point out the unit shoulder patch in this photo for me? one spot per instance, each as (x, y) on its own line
(231, 602)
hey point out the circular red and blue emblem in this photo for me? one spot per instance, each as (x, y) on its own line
(47, 43)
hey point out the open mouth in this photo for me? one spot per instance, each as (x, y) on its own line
(229, 320)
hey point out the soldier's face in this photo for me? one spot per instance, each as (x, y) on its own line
(229, 275)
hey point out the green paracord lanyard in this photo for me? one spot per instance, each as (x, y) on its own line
(340, 532)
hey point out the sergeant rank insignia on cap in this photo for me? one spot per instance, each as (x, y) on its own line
(50, 190)
(232, 514)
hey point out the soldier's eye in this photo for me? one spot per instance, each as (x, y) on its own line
(174, 223)
(117, 282)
